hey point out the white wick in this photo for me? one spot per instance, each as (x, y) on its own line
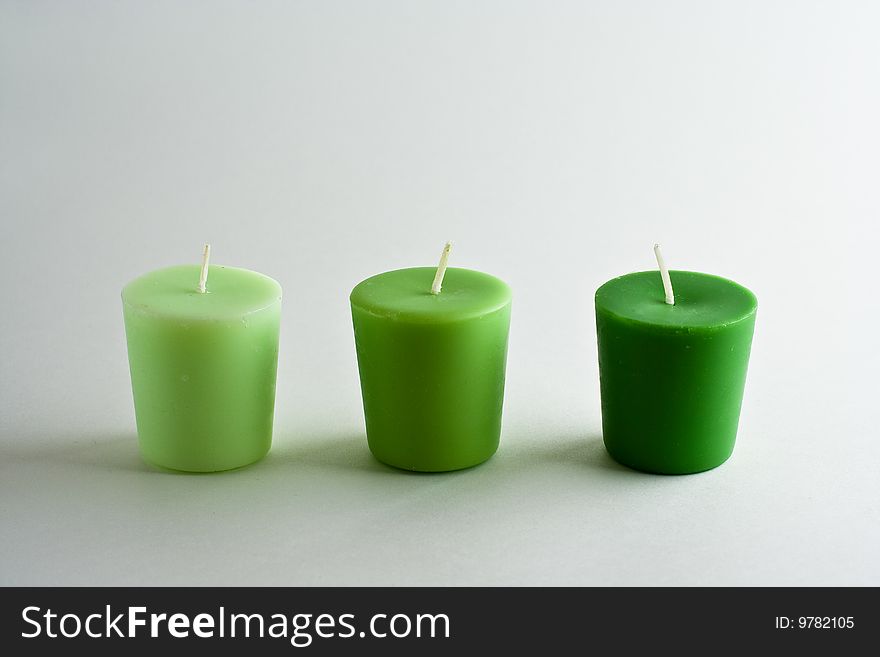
(441, 269)
(203, 276)
(664, 274)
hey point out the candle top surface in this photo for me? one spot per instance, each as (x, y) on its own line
(405, 295)
(701, 300)
(174, 292)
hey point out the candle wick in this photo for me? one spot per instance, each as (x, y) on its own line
(441, 269)
(664, 275)
(203, 276)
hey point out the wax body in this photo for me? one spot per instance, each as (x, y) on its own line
(672, 376)
(432, 366)
(203, 366)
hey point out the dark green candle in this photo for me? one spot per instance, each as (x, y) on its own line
(432, 366)
(672, 374)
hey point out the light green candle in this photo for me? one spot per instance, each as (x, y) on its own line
(203, 353)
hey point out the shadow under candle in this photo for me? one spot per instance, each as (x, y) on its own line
(338, 451)
(103, 452)
(585, 451)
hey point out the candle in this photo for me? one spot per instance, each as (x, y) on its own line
(432, 349)
(203, 353)
(673, 354)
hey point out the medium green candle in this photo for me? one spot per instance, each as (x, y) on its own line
(203, 353)
(673, 353)
(432, 349)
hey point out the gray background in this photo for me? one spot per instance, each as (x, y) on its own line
(323, 142)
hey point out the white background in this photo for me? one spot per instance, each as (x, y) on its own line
(323, 142)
